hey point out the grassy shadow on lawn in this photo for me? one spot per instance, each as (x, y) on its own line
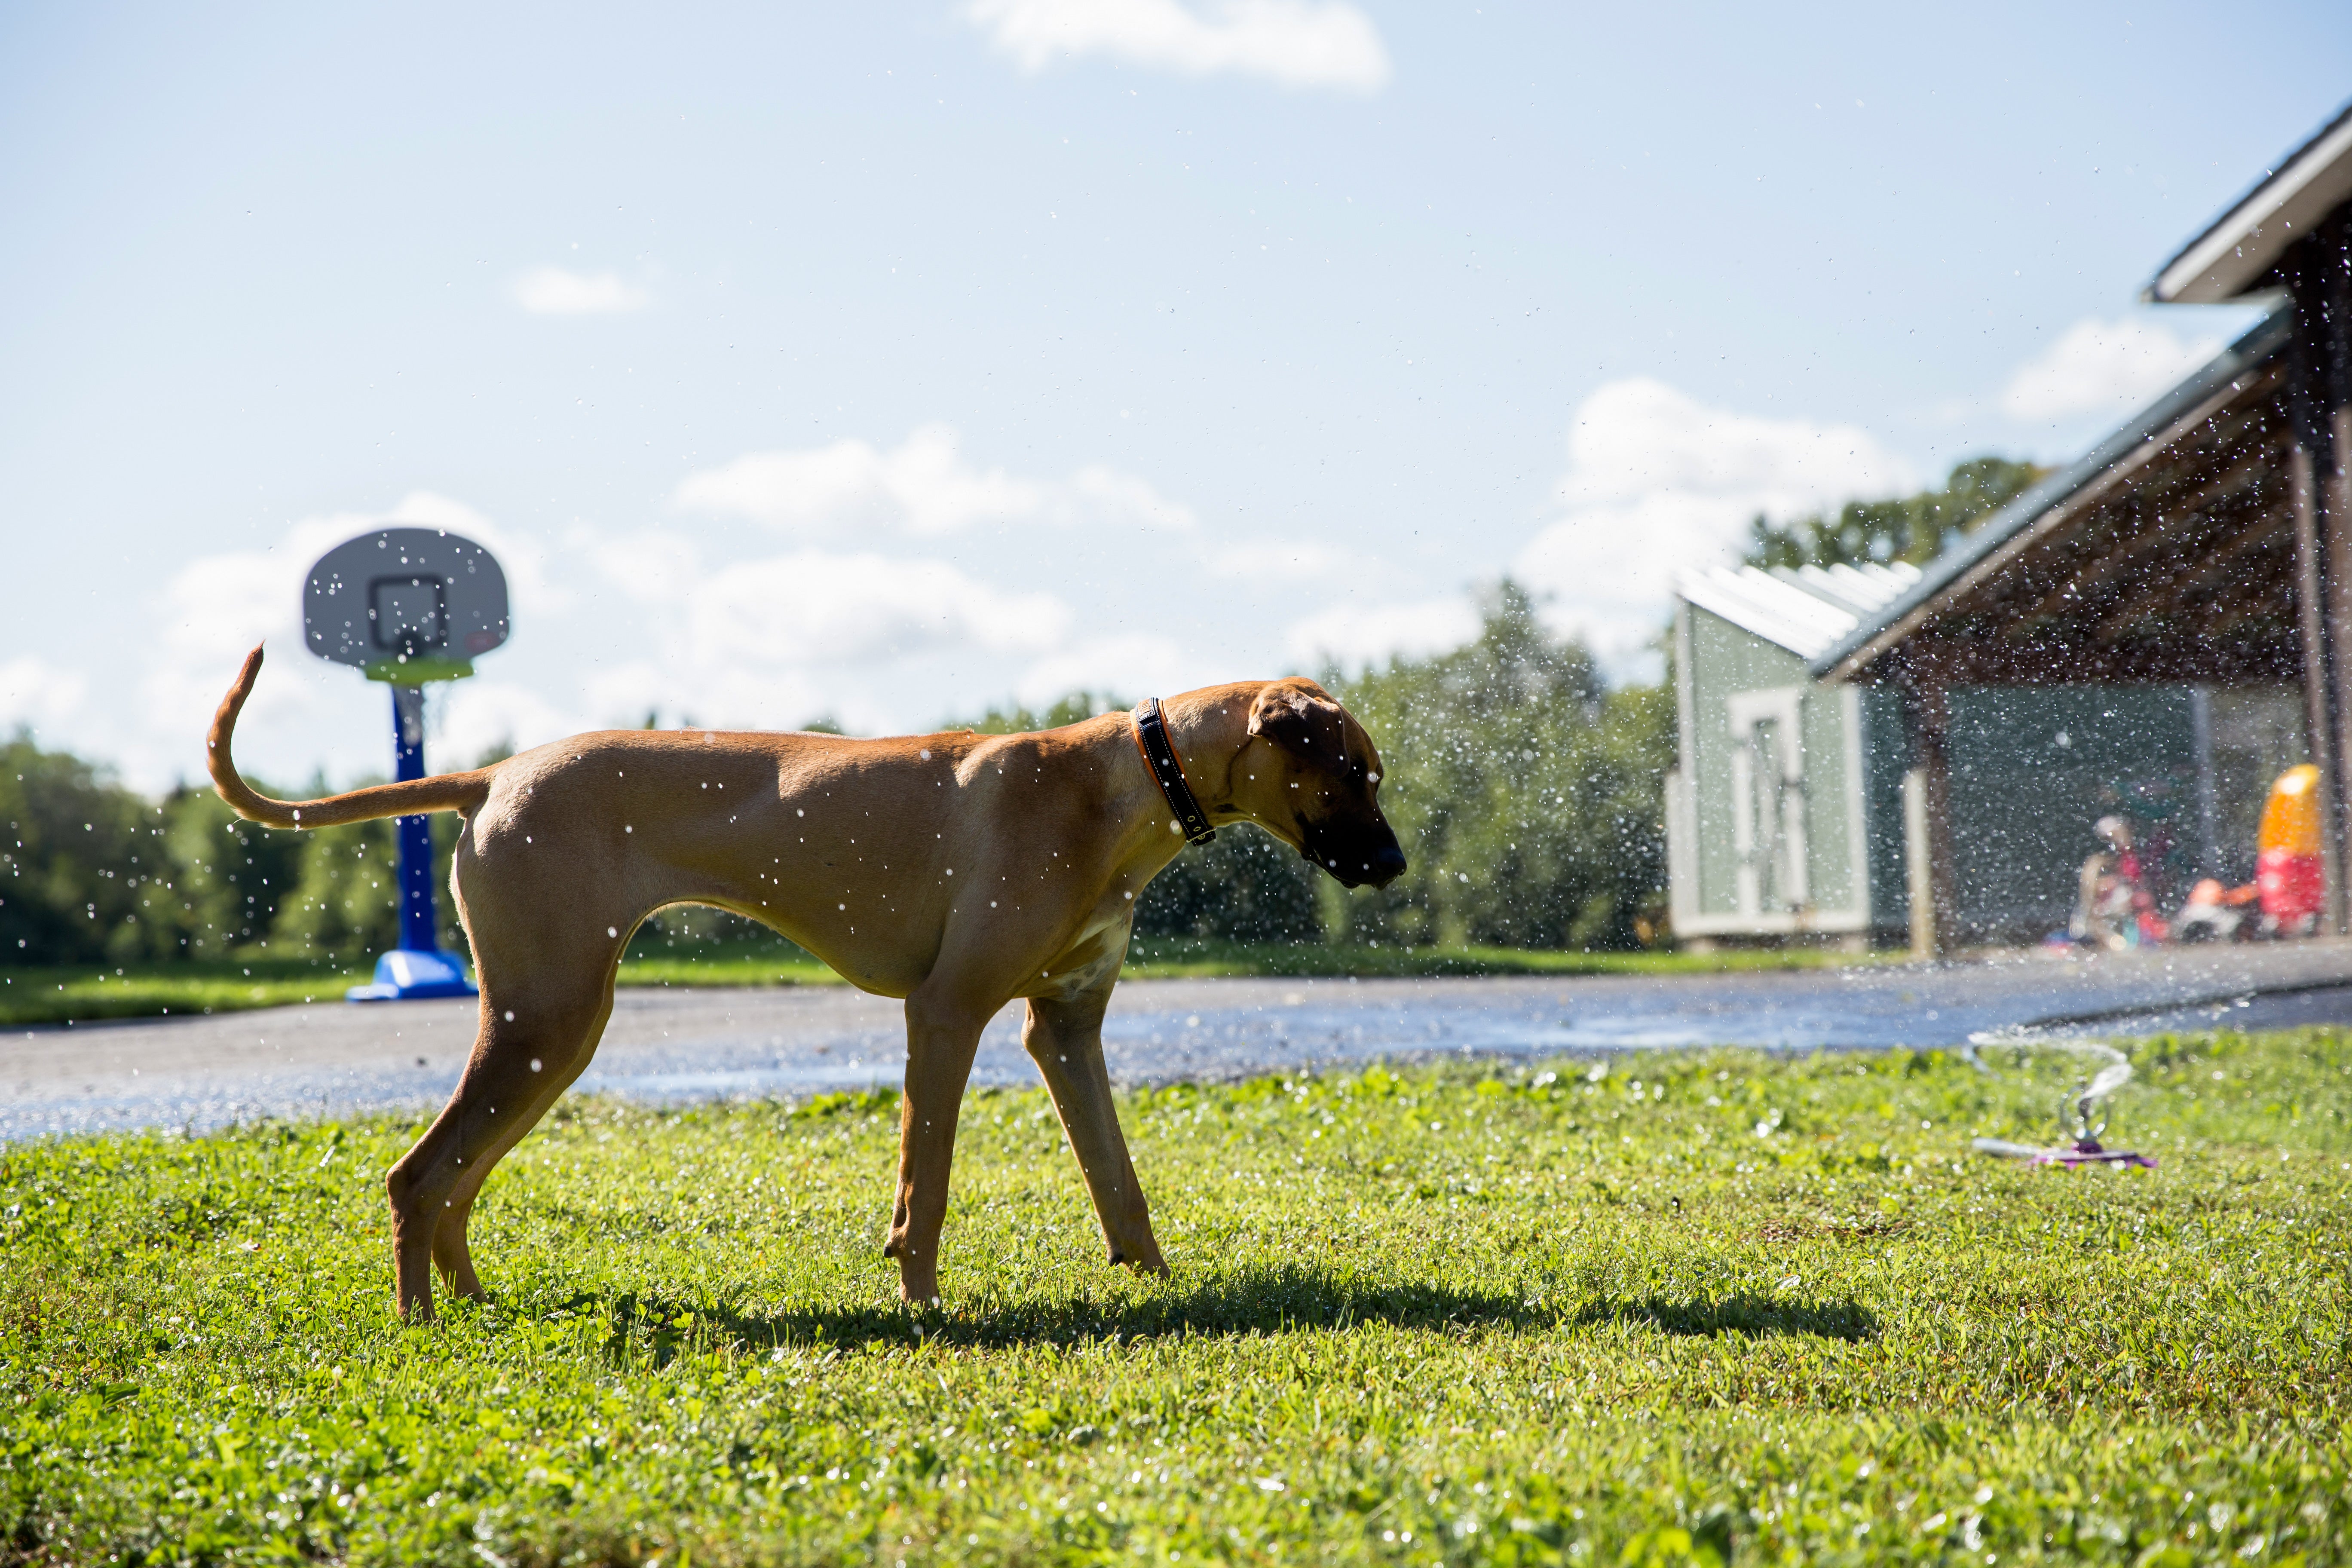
(1255, 1301)
(1744, 1313)
(1251, 1301)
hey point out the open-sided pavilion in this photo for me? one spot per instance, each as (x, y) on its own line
(2207, 540)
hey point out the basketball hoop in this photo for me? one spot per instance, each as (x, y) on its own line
(408, 606)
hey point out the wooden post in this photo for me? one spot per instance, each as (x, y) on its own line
(2320, 664)
(2209, 798)
(1918, 862)
(2319, 272)
(1927, 813)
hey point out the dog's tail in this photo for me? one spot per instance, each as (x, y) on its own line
(446, 792)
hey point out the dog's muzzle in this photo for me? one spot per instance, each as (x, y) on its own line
(1358, 865)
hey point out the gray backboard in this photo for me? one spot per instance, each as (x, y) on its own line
(406, 605)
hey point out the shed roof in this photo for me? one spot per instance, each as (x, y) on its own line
(2166, 552)
(2233, 259)
(1805, 611)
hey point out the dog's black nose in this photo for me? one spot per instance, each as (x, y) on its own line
(1386, 866)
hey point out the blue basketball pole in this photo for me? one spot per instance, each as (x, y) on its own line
(417, 969)
(418, 931)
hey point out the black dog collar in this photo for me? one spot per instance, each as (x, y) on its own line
(1152, 740)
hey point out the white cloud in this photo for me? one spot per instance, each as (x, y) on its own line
(466, 719)
(2103, 367)
(771, 643)
(1098, 495)
(213, 609)
(1640, 438)
(1351, 635)
(38, 695)
(651, 568)
(553, 291)
(620, 696)
(818, 608)
(1657, 481)
(1298, 43)
(1278, 561)
(923, 487)
(1129, 668)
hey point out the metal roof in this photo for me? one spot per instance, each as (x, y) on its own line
(2229, 259)
(1805, 611)
(2158, 423)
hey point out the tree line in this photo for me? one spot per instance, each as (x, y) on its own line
(1915, 528)
(1526, 792)
(91, 872)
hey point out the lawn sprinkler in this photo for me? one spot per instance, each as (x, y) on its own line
(408, 606)
(2082, 1113)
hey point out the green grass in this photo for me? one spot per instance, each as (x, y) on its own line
(52, 995)
(1697, 1306)
(759, 960)
(1190, 957)
(777, 962)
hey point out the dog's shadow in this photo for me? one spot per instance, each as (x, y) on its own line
(1259, 1300)
(1746, 1313)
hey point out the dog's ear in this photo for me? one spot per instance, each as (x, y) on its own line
(1297, 716)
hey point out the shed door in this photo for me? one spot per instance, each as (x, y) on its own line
(1767, 800)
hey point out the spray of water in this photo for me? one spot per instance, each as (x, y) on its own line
(2097, 1069)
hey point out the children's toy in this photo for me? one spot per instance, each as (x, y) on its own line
(2292, 886)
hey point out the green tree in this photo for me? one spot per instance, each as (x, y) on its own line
(1245, 885)
(1017, 720)
(1916, 528)
(233, 875)
(345, 907)
(1527, 796)
(83, 871)
(345, 904)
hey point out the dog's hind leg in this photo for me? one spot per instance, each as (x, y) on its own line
(531, 1046)
(942, 1034)
(451, 1254)
(1065, 1039)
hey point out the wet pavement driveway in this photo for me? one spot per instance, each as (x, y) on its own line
(677, 1046)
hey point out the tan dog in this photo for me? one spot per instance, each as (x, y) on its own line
(958, 871)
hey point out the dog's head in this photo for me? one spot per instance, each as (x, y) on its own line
(1317, 778)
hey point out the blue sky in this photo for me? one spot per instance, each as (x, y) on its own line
(883, 362)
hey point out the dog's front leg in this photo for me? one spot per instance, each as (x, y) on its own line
(941, 1037)
(1065, 1039)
